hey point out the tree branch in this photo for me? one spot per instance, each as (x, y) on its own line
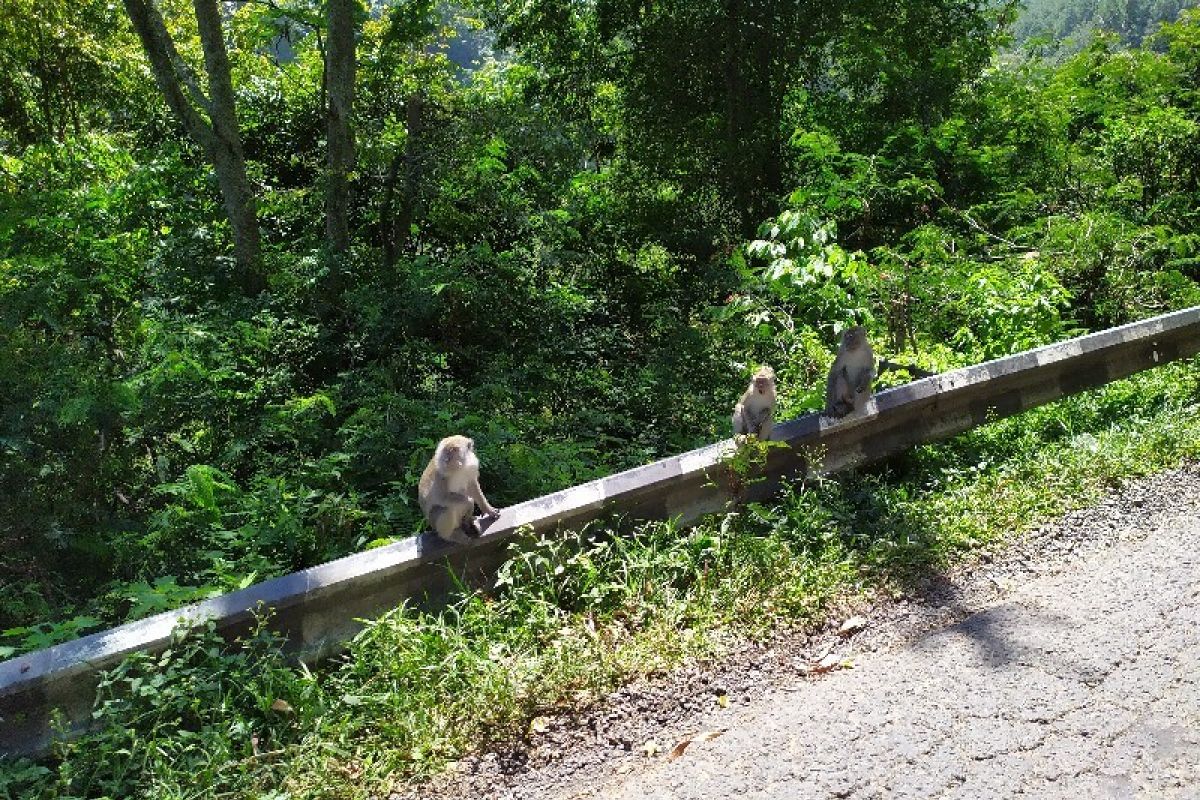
(163, 57)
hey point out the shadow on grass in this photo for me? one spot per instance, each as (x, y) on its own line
(898, 544)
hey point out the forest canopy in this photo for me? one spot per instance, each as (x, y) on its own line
(257, 258)
(1071, 24)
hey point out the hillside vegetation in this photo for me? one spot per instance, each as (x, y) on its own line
(1072, 24)
(574, 255)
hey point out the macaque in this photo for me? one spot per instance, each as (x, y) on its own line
(849, 385)
(755, 411)
(449, 490)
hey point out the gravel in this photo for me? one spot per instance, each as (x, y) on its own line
(1065, 664)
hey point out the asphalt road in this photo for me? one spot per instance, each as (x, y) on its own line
(1080, 683)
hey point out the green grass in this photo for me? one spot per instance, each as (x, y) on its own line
(574, 616)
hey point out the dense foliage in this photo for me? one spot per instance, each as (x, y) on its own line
(553, 250)
(572, 229)
(574, 614)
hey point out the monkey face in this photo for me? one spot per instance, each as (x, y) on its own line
(457, 451)
(764, 379)
(852, 338)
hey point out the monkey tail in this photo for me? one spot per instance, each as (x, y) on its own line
(896, 366)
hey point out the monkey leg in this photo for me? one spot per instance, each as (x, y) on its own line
(449, 523)
(470, 527)
(739, 422)
(839, 398)
(840, 408)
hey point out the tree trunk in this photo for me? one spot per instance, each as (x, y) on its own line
(216, 129)
(395, 226)
(386, 237)
(752, 170)
(227, 157)
(415, 119)
(339, 76)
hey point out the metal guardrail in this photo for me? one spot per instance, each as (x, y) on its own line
(319, 609)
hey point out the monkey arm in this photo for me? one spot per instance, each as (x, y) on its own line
(864, 380)
(767, 423)
(834, 389)
(741, 422)
(482, 502)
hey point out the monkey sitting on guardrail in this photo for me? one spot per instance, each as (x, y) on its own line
(755, 411)
(449, 490)
(849, 384)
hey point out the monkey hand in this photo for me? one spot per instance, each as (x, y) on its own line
(485, 520)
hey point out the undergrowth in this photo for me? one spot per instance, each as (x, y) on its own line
(573, 616)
